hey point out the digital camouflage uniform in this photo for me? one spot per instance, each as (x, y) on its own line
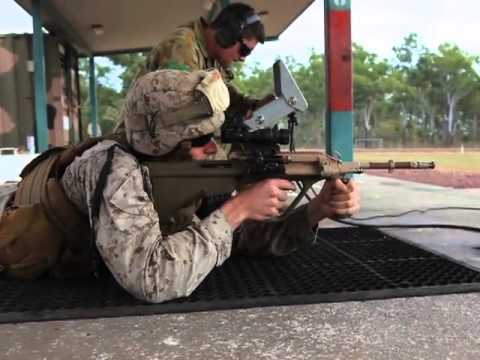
(185, 49)
(147, 262)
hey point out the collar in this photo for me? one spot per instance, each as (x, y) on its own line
(199, 30)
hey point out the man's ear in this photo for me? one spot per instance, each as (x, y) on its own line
(181, 152)
(225, 37)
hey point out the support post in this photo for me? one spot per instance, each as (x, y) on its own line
(93, 97)
(40, 79)
(339, 77)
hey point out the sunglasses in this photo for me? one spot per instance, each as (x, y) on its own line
(244, 50)
(201, 140)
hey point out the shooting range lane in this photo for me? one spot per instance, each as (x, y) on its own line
(344, 264)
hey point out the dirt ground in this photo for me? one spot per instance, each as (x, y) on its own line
(459, 180)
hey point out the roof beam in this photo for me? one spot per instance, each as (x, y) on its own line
(55, 22)
(66, 29)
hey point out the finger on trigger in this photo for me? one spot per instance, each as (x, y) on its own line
(287, 185)
(341, 186)
(282, 196)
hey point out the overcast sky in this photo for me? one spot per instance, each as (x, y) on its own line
(377, 25)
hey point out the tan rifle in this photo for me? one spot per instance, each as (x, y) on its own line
(178, 183)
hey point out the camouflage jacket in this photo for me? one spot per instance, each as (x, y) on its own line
(185, 49)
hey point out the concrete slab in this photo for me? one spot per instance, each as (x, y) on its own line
(385, 196)
(442, 327)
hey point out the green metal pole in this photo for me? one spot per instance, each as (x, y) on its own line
(339, 74)
(93, 97)
(73, 133)
(40, 79)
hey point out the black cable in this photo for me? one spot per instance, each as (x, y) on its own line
(414, 210)
(410, 226)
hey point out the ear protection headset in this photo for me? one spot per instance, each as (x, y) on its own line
(227, 35)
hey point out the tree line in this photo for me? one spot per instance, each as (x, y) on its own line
(421, 97)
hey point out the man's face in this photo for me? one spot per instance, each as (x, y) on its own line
(237, 52)
(204, 152)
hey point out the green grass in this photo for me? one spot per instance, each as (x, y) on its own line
(444, 160)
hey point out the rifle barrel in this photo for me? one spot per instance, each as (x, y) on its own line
(391, 165)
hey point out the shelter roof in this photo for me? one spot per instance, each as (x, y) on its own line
(131, 25)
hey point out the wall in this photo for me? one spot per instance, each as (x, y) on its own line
(17, 116)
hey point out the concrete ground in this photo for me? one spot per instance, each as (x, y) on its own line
(437, 327)
(383, 196)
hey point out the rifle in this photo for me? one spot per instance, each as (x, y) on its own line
(257, 155)
(178, 183)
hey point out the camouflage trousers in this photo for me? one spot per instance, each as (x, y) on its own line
(148, 264)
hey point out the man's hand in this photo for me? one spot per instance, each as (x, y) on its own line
(258, 104)
(336, 199)
(261, 201)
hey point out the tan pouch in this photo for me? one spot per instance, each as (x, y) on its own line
(63, 214)
(29, 243)
(44, 231)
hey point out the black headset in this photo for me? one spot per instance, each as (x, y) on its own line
(227, 35)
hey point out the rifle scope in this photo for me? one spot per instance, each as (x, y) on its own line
(267, 136)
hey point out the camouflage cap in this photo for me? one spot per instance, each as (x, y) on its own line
(165, 107)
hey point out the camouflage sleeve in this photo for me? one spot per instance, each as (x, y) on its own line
(275, 238)
(149, 265)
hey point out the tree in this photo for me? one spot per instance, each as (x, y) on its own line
(470, 106)
(310, 78)
(131, 63)
(370, 76)
(109, 100)
(253, 80)
(449, 76)
(406, 99)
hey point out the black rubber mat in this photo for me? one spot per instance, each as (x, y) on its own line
(344, 264)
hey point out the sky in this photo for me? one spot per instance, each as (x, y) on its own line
(377, 25)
